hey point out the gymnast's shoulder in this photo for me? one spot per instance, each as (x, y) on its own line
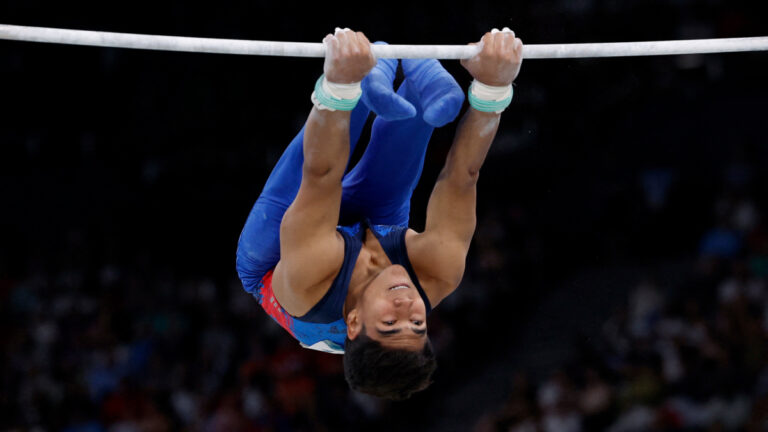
(438, 261)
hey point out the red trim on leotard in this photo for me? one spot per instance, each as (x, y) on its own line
(270, 304)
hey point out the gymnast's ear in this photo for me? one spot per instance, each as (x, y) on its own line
(354, 325)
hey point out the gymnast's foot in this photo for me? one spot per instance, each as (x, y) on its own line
(378, 94)
(439, 94)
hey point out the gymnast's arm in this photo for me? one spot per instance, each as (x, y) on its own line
(439, 253)
(311, 251)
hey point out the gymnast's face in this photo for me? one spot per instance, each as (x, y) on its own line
(392, 310)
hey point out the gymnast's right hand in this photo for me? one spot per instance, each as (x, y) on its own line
(348, 56)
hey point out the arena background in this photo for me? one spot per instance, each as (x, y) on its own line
(616, 281)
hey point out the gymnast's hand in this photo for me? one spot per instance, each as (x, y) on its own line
(348, 56)
(499, 60)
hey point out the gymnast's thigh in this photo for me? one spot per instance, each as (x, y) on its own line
(380, 186)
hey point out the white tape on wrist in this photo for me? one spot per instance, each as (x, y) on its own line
(491, 93)
(334, 96)
(342, 91)
(489, 98)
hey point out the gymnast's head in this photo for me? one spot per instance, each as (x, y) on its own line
(387, 351)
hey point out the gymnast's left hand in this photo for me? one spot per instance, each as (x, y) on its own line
(499, 60)
(348, 56)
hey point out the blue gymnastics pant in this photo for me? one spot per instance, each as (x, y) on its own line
(378, 187)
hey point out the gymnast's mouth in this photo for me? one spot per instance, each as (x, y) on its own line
(398, 287)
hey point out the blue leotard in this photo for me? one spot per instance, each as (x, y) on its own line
(323, 327)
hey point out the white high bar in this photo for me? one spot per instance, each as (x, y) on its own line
(307, 49)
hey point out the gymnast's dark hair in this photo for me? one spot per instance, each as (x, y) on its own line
(394, 374)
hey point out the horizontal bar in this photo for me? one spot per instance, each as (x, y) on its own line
(306, 49)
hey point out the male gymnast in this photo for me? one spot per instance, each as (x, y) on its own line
(328, 253)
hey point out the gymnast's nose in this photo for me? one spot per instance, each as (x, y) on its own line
(402, 301)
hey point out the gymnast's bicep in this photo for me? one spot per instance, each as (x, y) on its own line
(439, 262)
(311, 250)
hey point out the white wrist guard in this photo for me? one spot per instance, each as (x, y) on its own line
(334, 96)
(489, 98)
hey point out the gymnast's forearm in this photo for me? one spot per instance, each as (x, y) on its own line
(494, 69)
(348, 60)
(326, 145)
(473, 139)
(451, 207)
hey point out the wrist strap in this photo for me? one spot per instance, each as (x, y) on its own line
(333, 96)
(487, 98)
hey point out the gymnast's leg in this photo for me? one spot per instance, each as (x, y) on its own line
(380, 185)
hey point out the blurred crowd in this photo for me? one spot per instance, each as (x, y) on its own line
(692, 357)
(128, 351)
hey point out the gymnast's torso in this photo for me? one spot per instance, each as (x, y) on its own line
(323, 327)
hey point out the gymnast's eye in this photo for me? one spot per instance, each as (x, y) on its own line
(389, 323)
(417, 323)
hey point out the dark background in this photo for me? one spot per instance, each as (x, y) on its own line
(126, 176)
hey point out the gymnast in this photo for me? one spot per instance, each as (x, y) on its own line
(327, 251)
